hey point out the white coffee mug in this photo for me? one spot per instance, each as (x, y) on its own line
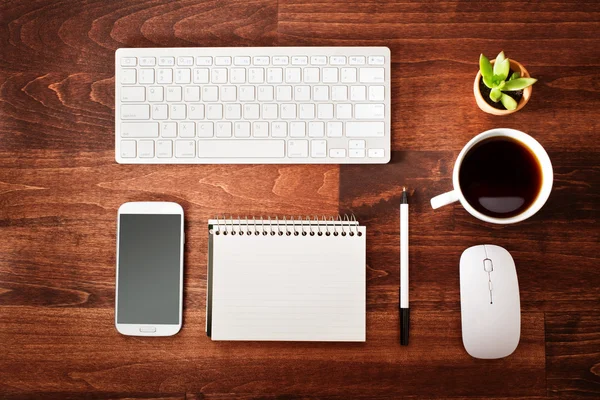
(531, 144)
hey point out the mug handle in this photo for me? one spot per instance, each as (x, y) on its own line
(444, 199)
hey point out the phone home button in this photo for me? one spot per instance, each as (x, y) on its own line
(148, 329)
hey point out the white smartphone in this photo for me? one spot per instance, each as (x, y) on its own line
(149, 288)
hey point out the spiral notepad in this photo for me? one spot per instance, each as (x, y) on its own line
(286, 279)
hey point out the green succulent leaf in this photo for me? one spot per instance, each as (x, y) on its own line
(499, 59)
(515, 75)
(495, 95)
(485, 66)
(508, 102)
(519, 83)
(488, 82)
(502, 70)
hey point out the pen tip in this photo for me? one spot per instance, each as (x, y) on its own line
(404, 188)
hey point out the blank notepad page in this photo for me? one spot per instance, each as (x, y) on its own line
(295, 288)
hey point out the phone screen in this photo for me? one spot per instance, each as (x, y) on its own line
(149, 268)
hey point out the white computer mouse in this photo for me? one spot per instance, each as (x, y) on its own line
(489, 302)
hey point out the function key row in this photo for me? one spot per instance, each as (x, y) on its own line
(168, 61)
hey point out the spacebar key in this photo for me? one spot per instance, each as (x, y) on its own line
(241, 148)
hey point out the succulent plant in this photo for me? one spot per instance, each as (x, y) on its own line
(495, 78)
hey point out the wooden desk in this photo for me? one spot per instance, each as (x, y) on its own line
(60, 189)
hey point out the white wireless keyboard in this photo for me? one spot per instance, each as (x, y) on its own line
(253, 105)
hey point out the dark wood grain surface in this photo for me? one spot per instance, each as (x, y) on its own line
(60, 189)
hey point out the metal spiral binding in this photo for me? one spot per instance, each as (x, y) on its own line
(287, 226)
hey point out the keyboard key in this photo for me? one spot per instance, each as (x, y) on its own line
(166, 61)
(219, 75)
(240, 148)
(321, 93)
(165, 75)
(279, 129)
(237, 75)
(365, 129)
(251, 111)
(241, 129)
(174, 93)
(256, 75)
(325, 111)
(133, 93)
(343, 111)
(316, 129)
(146, 75)
(187, 129)
(337, 60)
(139, 129)
(205, 129)
(318, 60)
(376, 153)
(185, 61)
(128, 148)
(376, 93)
(128, 62)
(128, 76)
(356, 144)
(233, 111)
(358, 93)
(183, 75)
(357, 60)
(371, 75)
(307, 111)
(302, 93)
(299, 60)
(241, 60)
(135, 111)
(269, 111)
(247, 93)
(260, 129)
(214, 111)
(297, 148)
(297, 129)
(376, 60)
(369, 111)
(356, 153)
(210, 93)
(191, 93)
(337, 153)
(330, 75)
(284, 93)
(203, 60)
(223, 60)
(147, 61)
(164, 149)
(185, 148)
(288, 111)
(274, 75)
(155, 93)
(178, 111)
(146, 149)
(292, 75)
(281, 60)
(260, 60)
(168, 129)
(339, 93)
(311, 75)
(265, 93)
(334, 129)
(200, 75)
(318, 148)
(196, 111)
(228, 93)
(223, 129)
(348, 75)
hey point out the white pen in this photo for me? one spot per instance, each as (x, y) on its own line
(404, 310)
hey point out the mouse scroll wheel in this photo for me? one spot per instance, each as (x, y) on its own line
(487, 265)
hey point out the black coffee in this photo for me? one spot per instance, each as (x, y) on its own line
(500, 177)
